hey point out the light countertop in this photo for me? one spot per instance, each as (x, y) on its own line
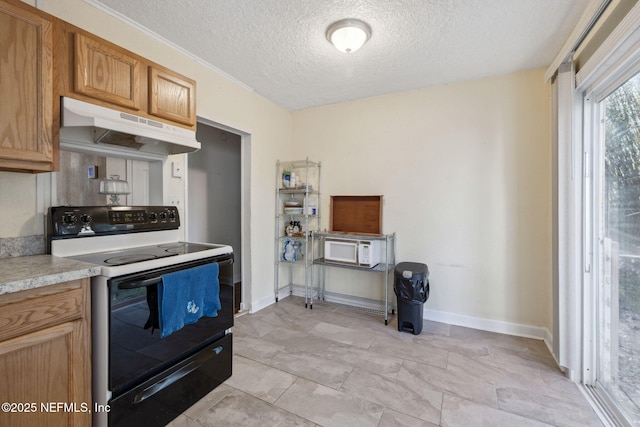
(30, 272)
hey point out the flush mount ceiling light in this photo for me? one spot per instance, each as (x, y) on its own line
(348, 35)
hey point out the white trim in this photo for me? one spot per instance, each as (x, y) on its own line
(161, 39)
(491, 325)
(245, 220)
(589, 278)
(43, 201)
(257, 305)
(584, 25)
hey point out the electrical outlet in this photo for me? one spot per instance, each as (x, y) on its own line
(176, 170)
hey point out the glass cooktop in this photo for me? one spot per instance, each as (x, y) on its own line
(144, 253)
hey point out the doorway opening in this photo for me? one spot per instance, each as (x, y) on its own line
(218, 195)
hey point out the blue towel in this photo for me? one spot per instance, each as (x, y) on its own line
(186, 295)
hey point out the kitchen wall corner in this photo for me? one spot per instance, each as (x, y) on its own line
(27, 198)
(175, 186)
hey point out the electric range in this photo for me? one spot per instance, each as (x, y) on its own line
(142, 377)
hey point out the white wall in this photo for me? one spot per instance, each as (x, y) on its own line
(465, 173)
(18, 192)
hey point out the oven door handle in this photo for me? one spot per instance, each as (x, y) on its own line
(175, 376)
(140, 283)
(155, 280)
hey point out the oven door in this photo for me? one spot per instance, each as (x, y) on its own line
(150, 375)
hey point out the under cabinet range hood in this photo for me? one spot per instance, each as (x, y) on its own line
(90, 128)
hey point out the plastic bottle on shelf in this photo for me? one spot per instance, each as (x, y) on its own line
(310, 206)
(298, 251)
(289, 253)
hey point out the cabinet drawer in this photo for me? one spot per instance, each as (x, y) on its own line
(32, 314)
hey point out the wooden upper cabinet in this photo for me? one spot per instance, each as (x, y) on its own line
(172, 96)
(98, 71)
(26, 89)
(106, 72)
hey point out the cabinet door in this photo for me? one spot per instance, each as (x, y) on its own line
(172, 96)
(105, 72)
(42, 372)
(26, 90)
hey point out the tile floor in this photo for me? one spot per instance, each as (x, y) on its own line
(332, 366)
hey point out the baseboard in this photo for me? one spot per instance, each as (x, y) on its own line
(490, 325)
(498, 326)
(258, 305)
(270, 299)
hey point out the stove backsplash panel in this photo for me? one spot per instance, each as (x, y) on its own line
(73, 186)
(22, 246)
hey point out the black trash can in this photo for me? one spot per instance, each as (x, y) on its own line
(411, 286)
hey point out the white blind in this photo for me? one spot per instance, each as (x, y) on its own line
(611, 55)
(568, 293)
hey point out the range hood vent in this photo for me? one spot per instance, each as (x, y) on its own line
(93, 129)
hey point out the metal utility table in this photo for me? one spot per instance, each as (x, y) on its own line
(386, 265)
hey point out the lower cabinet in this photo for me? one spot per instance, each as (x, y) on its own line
(45, 356)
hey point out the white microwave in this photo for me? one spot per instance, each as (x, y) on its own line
(364, 253)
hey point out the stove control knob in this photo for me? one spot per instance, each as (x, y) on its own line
(163, 216)
(172, 215)
(85, 219)
(69, 219)
(153, 217)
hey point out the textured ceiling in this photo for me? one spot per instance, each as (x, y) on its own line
(278, 48)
